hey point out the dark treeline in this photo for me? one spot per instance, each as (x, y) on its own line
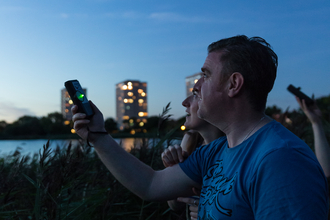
(53, 126)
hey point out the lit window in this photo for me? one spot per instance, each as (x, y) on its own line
(141, 124)
(132, 132)
(70, 102)
(66, 110)
(120, 98)
(141, 101)
(67, 122)
(125, 100)
(144, 120)
(143, 94)
(130, 87)
(131, 121)
(140, 90)
(195, 81)
(140, 104)
(124, 87)
(141, 114)
(128, 107)
(130, 100)
(73, 131)
(129, 83)
(183, 127)
(130, 93)
(125, 117)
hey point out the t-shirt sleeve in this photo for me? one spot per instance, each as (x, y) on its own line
(281, 187)
(192, 166)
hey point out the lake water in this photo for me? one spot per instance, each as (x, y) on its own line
(33, 146)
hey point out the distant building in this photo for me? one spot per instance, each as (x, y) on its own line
(66, 104)
(191, 81)
(131, 104)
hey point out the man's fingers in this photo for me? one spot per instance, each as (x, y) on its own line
(189, 201)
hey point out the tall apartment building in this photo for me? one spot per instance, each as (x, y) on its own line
(66, 104)
(191, 81)
(131, 104)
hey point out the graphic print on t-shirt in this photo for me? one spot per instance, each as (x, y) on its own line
(215, 185)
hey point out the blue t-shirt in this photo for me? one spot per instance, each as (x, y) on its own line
(271, 175)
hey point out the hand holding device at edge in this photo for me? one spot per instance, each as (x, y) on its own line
(82, 125)
(312, 112)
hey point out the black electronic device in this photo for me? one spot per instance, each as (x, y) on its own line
(300, 95)
(78, 97)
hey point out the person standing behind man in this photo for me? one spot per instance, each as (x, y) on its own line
(260, 170)
(199, 133)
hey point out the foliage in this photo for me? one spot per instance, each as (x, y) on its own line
(72, 183)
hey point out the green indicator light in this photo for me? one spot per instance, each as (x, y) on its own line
(80, 96)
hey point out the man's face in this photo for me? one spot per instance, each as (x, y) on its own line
(209, 90)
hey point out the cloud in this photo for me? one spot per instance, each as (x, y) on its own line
(64, 15)
(9, 112)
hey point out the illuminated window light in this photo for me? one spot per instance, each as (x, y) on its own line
(132, 132)
(144, 120)
(143, 94)
(141, 124)
(183, 127)
(125, 117)
(131, 121)
(130, 87)
(129, 84)
(144, 130)
(125, 100)
(130, 93)
(141, 101)
(195, 81)
(140, 104)
(67, 122)
(124, 87)
(120, 98)
(130, 100)
(140, 90)
(70, 102)
(66, 110)
(141, 114)
(73, 131)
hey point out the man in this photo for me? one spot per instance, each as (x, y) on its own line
(258, 171)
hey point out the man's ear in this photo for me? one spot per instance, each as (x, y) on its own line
(236, 82)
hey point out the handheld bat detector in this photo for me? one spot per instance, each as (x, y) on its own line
(300, 95)
(78, 97)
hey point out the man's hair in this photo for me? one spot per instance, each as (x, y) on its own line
(254, 59)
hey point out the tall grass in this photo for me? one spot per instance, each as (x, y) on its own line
(72, 183)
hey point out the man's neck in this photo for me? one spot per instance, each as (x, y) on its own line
(243, 127)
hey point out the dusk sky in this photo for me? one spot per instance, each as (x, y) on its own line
(103, 42)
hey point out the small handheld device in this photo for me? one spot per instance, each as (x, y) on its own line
(300, 95)
(78, 97)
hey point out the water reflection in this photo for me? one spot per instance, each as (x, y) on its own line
(33, 146)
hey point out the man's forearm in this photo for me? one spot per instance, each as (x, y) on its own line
(139, 178)
(127, 169)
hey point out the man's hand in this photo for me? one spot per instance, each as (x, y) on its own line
(193, 206)
(173, 155)
(83, 125)
(312, 112)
